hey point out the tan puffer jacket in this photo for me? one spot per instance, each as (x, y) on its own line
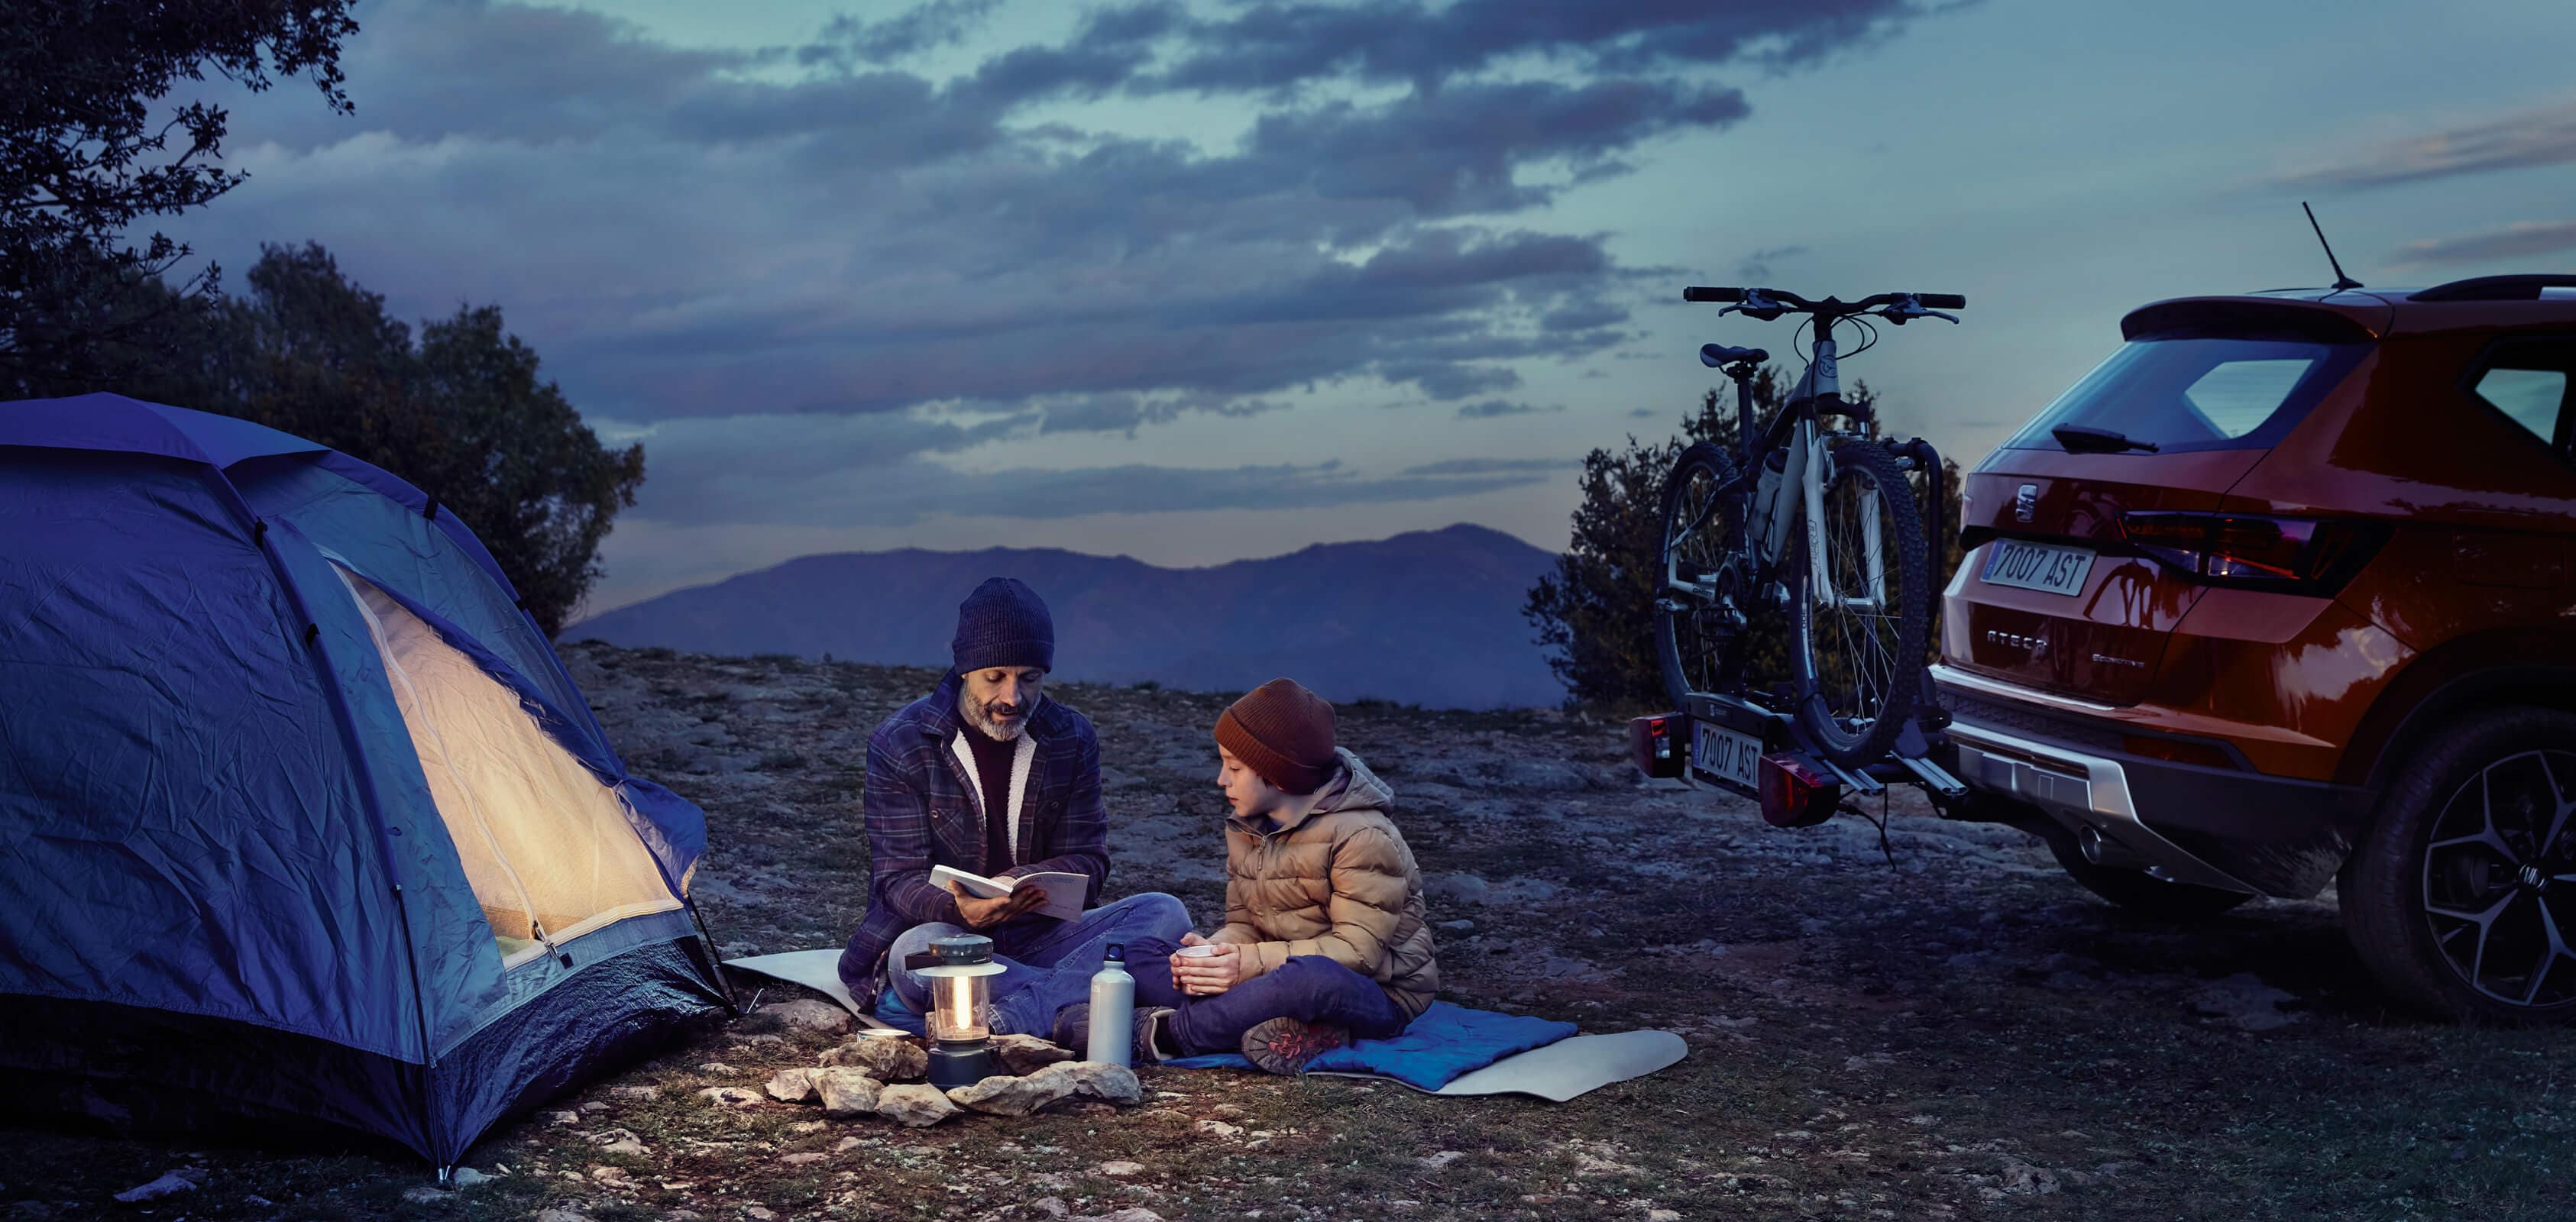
(1339, 881)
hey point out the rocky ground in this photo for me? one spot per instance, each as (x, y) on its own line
(1940, 1026)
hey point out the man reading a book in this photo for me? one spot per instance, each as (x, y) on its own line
(1325, 938)
(986, 776)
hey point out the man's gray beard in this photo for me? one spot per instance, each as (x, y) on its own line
(978, 716)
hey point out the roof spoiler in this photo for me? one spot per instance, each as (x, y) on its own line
(2302, 318)
(2495, 288)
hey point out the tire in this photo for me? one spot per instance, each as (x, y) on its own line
(1858, 671)
(2136, 890)
(2453, 835)
(1697, 641)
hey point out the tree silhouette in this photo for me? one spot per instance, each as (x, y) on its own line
(82, 160)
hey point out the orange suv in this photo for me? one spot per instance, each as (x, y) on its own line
(2279, 594)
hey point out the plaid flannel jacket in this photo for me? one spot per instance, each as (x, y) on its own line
(921, 811)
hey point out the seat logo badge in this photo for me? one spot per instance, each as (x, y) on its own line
(2026, 503)
(2107, 660)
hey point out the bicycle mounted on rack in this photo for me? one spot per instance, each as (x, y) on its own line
(1821, 525)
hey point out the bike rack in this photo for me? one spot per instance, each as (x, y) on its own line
(1909, 762)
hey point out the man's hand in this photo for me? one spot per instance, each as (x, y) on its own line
(1207, 975)
(985, 914)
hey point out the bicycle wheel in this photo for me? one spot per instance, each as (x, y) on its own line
(1859, 633)
(1698, 576)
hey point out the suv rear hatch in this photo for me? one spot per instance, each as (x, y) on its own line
(2094, 529)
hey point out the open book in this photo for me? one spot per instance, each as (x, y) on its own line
(1064, 891)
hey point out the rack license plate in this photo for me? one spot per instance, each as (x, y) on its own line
(1724, 753)
(2044, 567)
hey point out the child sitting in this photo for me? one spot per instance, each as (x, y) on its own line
(1324, 937)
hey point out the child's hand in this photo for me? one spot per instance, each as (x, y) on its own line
(1208, 975)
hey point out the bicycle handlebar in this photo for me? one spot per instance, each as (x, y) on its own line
(1929, 301)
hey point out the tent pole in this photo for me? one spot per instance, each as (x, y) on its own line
(714, 956)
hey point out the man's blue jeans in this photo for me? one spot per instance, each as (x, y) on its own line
(1047, 965)
(1310, 988)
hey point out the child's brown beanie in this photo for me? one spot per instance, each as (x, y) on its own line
(1283, 732)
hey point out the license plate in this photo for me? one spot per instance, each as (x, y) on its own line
(1724, 753)
(2044, 567)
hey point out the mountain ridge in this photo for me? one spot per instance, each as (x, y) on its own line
(1429, 617)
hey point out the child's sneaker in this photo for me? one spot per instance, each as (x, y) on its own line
(1285, 1045)
(1073, 1032)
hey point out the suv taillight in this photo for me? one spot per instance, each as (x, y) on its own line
(2300, 555)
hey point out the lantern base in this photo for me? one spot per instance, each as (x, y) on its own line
(961, 1064)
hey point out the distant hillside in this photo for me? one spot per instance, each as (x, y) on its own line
(1429, 617)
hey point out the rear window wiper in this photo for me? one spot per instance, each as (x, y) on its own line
(2085, 439)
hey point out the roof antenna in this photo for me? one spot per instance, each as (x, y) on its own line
(2342, 281)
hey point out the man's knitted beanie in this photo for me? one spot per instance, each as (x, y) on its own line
(1003, 623)
(1283, 732)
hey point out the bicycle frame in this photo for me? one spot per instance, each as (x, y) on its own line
(1801, 490)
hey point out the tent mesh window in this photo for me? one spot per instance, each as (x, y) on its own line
(546, 846)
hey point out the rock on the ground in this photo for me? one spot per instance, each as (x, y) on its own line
(171, 1183)
(805, 1159)
(467, 1177)
(1025, 1054)
(1053, 1207)
(807, 1014)
(1097, 1080)
(791, 1085)
(560, 1215)
(886, 1060)
(2244, 1001)
(636, 1094)
(1132, 1214)
(730, 1096)
(1004, 1095)
(1463, 888)
(1220, 1129)
(846, 1092)
(717, 1067)
(916, 1104)
(620, 1141)
(423, 1194)
(1120, 1166)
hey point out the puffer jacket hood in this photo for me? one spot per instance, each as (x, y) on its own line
(1337, 881)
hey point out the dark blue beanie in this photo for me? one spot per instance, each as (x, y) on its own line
(1003, 623)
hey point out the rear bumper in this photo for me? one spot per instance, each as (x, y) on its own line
(2212, 827)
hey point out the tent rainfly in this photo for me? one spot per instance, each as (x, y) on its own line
(301, 819)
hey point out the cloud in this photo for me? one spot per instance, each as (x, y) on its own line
(809, 277)
(1279, 46)
(1491, 408)
(2537, 137)
(923, 27)
(1756, 267)
(2517, 240)
(1491, 466)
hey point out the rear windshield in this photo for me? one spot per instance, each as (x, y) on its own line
(2192, 391)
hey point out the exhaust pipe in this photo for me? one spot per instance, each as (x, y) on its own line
(2101, 850)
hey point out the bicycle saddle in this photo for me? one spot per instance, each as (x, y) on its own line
(1714, 355)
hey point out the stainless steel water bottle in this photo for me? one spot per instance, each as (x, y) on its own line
(1113, 1010)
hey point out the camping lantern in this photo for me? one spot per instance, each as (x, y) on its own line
(961, 1008)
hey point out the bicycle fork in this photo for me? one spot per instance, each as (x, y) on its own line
(1800, 492)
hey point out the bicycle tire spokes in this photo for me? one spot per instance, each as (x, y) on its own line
(1866, 610)
(1856, 650)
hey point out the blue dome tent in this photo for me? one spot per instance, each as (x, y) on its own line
(300, 817)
